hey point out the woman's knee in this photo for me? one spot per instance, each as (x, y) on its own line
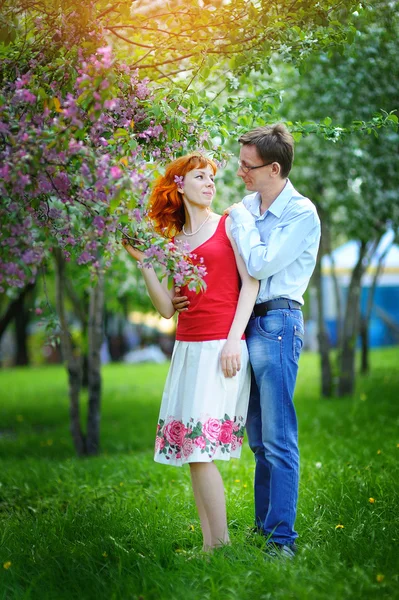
(200, 466)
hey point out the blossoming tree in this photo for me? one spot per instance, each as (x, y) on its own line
(80, 137)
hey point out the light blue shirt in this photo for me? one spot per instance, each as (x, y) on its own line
(279, 247)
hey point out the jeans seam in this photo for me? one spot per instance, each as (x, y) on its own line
(284, 375)
(285, 438)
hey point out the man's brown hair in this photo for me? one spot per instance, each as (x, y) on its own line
(274, 143)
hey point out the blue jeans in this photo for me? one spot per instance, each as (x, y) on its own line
(275, 343)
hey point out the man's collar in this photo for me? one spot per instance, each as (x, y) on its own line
(277, 206)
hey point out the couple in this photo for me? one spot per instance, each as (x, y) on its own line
(237, 347)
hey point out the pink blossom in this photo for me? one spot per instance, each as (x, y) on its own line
(61, 182)
(142, 90)
(84, 258)
(106, 53)
(116, 172)
(5, 173)
(111, 104)
(99, 223)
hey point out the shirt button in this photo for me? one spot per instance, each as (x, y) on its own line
(279, 337)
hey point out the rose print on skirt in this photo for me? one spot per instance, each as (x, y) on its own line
(199, 441)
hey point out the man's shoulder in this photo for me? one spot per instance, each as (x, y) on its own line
(301, 204)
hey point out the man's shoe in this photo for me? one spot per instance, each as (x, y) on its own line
(280, 551)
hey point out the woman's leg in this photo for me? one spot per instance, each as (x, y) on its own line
(206, 531)
(209, 496)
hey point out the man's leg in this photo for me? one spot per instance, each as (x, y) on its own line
(274, 343)
(262, 474)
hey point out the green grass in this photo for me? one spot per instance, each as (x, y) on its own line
(120, 526)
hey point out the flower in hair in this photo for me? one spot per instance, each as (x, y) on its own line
(179, 180)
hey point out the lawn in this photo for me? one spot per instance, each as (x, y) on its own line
(121, 527)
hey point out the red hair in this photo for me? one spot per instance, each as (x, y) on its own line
(166, 202)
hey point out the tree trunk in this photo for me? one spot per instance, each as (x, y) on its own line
(338, 303)
(95, 337)
(322, 334)
(22, 316)
(21, 335)
(327, 249)
(346, 383)
(81, 310)
(70, 355)
(364, 340)
(15, 308)
(365, 319)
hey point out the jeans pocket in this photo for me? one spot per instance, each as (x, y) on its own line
(272, 325)
(297, 343)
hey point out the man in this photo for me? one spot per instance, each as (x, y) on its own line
(277, 232)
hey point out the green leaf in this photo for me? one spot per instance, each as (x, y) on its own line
(297, 135)
(121, 133)
(114, 204)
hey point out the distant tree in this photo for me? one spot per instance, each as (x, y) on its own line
(354, 181)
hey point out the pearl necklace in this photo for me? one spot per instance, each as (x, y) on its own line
(199, 228)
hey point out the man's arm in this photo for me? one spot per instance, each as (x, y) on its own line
(287, 241)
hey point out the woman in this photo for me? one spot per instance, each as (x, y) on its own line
(204, 405)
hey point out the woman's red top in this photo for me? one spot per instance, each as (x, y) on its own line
(211, 313)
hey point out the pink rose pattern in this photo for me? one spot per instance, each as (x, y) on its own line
(174, 433)
(176, 440)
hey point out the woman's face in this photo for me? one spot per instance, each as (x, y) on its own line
(199, 186)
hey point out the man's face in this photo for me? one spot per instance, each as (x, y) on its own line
(255, 179)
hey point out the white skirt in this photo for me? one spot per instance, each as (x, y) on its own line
(203, 413)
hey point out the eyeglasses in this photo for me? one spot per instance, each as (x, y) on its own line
(248, 169)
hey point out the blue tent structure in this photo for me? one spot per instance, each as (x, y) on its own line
(384, 323)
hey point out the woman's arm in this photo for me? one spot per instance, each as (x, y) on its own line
(161, 297)
(231, 353)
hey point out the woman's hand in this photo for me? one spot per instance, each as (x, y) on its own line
(230, 358)
(134, 253)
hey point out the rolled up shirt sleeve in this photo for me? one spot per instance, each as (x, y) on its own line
(287, 241)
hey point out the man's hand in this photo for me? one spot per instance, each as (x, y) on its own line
(180, 303)
(230, 358)
(230, 208)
